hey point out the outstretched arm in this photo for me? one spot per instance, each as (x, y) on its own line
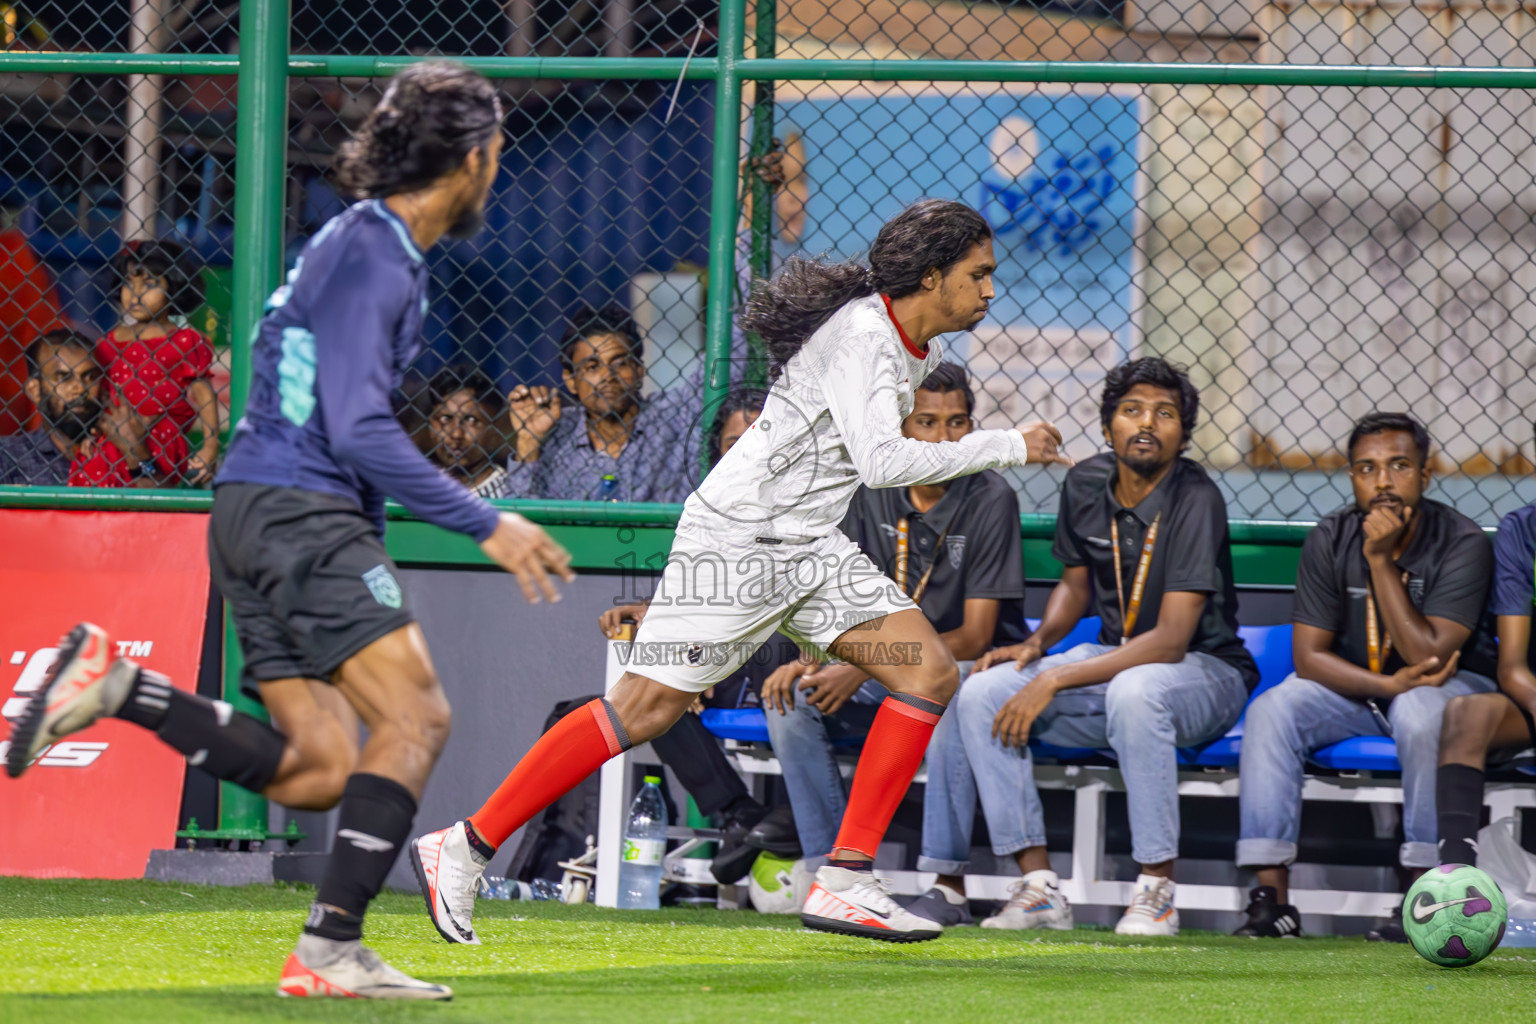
(864, 406)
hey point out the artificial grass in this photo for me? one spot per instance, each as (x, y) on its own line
(122, 952)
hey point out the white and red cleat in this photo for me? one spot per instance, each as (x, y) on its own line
(858, 903)
(322, 968)
(448, 870)
(86, 682)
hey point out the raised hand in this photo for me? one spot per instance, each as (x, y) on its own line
(1044, 442)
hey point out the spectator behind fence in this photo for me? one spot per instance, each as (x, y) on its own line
(1142, 534)
(159, 367)
(954, 547)
(689, 749)
(80, 444)
(29, 307)
(613, 445)
(457, 425)
(1389, 628)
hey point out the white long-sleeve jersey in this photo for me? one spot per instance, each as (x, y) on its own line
(831, 422)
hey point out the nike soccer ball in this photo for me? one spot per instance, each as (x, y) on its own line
(774, 885)
(1454, 915)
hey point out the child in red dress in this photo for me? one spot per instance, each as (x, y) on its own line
(161, 369)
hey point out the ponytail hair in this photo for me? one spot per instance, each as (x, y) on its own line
(802, 296)
(429, 120)
(931, 234)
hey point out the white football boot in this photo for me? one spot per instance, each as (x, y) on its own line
(449, 871)
(858, 903)
(86, 682)
(321, 968)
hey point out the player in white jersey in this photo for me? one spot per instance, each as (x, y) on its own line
(757, 549)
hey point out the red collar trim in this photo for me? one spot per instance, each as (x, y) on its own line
(917, 353)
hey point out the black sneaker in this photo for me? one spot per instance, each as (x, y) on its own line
(1391, 931)
(1268, 918)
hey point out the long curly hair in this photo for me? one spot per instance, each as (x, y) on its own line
(931, 234)
(429, 119)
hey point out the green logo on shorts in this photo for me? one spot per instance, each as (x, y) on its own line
(382, 585)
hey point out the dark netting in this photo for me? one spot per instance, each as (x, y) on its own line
(93, 169)
(1311, 253)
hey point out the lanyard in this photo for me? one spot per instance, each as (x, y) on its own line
(1378, 642)
(901, 560)
(1139, 584)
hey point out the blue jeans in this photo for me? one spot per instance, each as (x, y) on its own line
(1144, 714)
(1287, 723)
(802, 741)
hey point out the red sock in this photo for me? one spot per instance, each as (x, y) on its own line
(891, 756)
(576, 747)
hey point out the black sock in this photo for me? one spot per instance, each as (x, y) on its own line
(1459, 807)
(214, 736)
(851, 863)
(372, 827)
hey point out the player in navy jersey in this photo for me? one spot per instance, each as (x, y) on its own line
(296, 535)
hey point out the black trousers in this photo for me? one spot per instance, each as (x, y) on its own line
(695, 757)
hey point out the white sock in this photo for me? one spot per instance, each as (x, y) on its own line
(951, 895)
(1044, 878)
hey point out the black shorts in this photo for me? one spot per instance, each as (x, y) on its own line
(306, 578)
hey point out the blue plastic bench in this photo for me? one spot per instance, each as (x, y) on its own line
(1271, 650)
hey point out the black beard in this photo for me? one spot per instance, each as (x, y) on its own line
(75, 420)
(1144, 468)
(467, 224)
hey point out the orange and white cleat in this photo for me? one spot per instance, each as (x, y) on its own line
(858, 903)
(85, 682)
(321, 968)
(448, 870)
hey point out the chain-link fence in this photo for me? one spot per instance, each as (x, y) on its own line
(1312, 251)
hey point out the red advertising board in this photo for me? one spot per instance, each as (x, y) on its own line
(95, 804)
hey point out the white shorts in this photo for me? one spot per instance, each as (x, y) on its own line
(716, 604)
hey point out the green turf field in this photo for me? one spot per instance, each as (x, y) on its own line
(75, 952)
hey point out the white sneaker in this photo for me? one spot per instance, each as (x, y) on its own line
(1034, 901)
(1151, 911)
(330, 969)
(85, 682)
(449, 870)
(858, 903)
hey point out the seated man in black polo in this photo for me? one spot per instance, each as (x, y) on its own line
(954, 547)
(1142, 534)
(1389, 628)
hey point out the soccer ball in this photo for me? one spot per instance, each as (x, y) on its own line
(1454, 915)
(775, 884)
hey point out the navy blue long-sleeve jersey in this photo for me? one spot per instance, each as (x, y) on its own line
(332, 347)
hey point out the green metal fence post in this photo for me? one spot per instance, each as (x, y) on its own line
(765, 43)
(723, 213)
(261, 157)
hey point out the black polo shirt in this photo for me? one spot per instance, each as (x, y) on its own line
(1193, 552)
(1449, 563)
(981, 556)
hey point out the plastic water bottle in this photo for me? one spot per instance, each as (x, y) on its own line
(645, 840)
(608, 488)
(494, 888)
(1520, 932)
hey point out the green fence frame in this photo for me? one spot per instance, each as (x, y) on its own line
(617, 537)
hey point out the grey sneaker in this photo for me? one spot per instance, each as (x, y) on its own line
(329, 969)
(934, 906)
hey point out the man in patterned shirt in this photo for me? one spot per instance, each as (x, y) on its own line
(79, 443)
